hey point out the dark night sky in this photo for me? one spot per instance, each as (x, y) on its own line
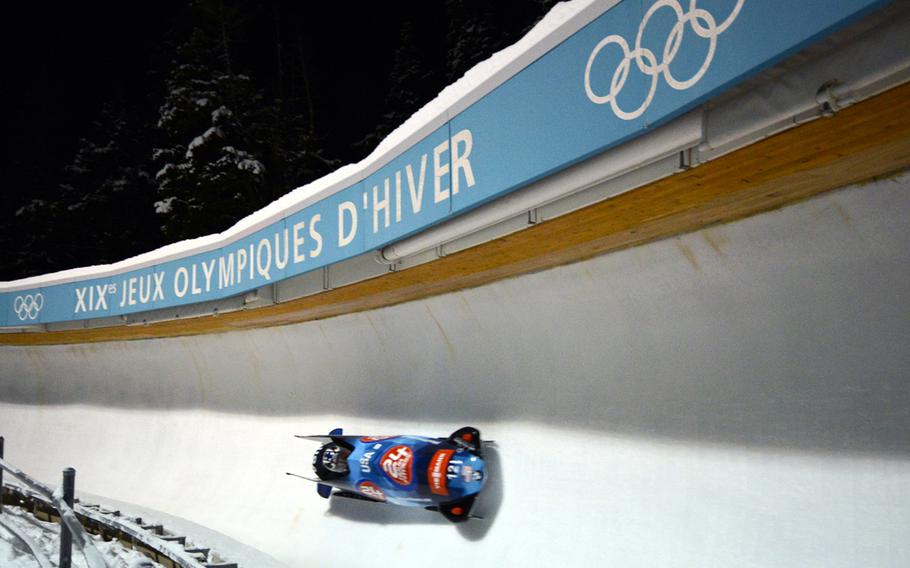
(64, 62)
(61, 64)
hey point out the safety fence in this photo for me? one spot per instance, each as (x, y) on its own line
(79, 520)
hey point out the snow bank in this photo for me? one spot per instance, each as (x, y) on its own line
(19, 532)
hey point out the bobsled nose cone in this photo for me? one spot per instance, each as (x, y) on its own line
(473, 471)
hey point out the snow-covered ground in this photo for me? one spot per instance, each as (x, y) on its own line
(226, 548)
(27, 542)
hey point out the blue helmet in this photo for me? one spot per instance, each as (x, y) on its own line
(331, 457)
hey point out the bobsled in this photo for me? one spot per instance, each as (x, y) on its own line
(436, 474)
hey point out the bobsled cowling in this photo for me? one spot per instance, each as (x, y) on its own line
(438, 474)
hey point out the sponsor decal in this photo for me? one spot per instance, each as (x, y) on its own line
(436, 471)
(365, 462)
(371, 490)
(374, 438)
(398, 464)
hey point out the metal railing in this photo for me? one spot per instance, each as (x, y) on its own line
(149, 539)
(71, 531)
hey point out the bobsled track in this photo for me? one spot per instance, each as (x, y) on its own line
(708, 366)
(733, 396)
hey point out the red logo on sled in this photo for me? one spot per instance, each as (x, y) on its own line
(398, 463)
(436, 472)
(371, 490)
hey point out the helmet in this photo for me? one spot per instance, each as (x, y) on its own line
(332, 457)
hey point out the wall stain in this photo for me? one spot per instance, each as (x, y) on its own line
(687, 252)
(468, 309)
(716, 241)
(324, 334)
(842, 212)
(586, 272)
(467, 305)
(36, 361)
(39, 367)
(255, 364)
(445, 336)
(200, 370)
(375, 329)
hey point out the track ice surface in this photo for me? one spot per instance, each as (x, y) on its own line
(735, 396)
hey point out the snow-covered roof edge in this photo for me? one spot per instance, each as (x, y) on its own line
(562, 21)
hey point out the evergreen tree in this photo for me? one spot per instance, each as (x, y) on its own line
(227, 146)
(105, 202)
(234, 124)
(210, 173)
(295, 155)
(477, 30)
(101, 213)
(25, 247)
(473, 35)
(32, 227)
(413, 81)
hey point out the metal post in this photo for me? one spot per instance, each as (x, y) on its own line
(66, 539)
(1, 475)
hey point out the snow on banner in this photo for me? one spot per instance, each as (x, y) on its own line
(630, 69)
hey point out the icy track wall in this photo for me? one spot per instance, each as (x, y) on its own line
(735, 396)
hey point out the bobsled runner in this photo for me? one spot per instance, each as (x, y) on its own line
(437, 474)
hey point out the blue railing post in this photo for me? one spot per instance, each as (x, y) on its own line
(66, 539)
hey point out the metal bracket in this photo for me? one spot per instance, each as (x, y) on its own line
(326, 283)
(832, 96)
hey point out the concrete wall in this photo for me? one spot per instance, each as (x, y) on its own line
(735, 396)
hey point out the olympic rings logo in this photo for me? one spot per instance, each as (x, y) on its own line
(702, 23)
(29, 306)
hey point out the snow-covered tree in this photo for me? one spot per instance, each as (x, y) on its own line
(413, 81)
(227, 147)
(101, 212)
(211, 135)
(108, 190)
(295, 154)
(477, 30)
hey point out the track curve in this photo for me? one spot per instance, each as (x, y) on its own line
(737, 395)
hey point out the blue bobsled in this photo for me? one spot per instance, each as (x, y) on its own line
(437, 474)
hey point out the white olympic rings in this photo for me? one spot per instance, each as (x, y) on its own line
(702, 23)
(29, 306)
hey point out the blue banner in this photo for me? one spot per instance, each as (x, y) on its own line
(637, 66)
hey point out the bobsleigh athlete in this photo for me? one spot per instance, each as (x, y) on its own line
(437, 474)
